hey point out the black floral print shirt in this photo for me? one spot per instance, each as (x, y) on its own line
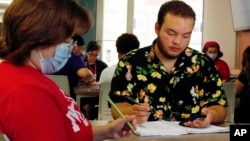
(192, 83)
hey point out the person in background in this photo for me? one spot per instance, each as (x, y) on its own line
(124, 43)
(79, 45)
(94, 64)
(243, 90)
(36, 40)
(212, 49)
(76, 68)
(170, 80)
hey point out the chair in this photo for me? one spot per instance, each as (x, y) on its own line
(104, 112)
(230, 90)
(62, 81)
(3, 137)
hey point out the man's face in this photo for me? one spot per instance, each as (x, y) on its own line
(174, 35)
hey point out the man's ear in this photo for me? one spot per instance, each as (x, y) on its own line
(157, 28)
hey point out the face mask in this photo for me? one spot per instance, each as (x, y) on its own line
(213, 56)
(54, 64)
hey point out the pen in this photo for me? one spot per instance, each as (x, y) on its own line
(121, 115)
(132, 101)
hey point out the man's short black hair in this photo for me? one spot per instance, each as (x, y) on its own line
(127, 42)
(79, 39)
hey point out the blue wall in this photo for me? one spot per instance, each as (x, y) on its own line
(90, 5)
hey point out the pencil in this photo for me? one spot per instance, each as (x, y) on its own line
(121, 115)
(131, 100)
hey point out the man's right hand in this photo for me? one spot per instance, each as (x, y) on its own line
(141, 111)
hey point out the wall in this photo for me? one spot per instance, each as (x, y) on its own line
(218, 26)
(90, 5)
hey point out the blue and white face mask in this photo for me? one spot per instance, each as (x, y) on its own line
(213, 56)
(54, 64)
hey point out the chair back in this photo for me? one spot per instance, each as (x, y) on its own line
(104, 112)
(3, 137)
(230, 90)
(62, 81)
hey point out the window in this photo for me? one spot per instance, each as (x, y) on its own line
(3, 5)
(137, 17)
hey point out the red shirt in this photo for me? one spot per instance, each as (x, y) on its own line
(32, 107)
(222, 68)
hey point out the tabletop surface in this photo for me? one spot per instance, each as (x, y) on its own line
(188, 137)
(85, 90)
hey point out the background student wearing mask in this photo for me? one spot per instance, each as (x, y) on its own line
(212, 49)
(169, 79)
(33, 107)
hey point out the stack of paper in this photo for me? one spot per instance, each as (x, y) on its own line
(162, 128)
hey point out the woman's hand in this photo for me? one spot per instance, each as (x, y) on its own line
(119, 127)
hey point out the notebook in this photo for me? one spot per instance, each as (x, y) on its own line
(163, 128)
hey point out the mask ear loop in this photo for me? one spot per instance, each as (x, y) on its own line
(40, 53)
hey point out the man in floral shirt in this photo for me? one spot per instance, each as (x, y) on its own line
(170, 80)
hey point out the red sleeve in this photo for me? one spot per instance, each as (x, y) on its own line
(223, 70)
(36, 117)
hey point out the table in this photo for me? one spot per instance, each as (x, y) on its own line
(82, 91)
(189, 137)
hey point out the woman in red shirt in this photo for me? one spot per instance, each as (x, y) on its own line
(212, 49)
(36, 41)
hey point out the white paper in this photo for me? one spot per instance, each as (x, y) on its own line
(208, 129)
(163, 128)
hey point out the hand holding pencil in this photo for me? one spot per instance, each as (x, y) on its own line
(131, 127)
(141, 110)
